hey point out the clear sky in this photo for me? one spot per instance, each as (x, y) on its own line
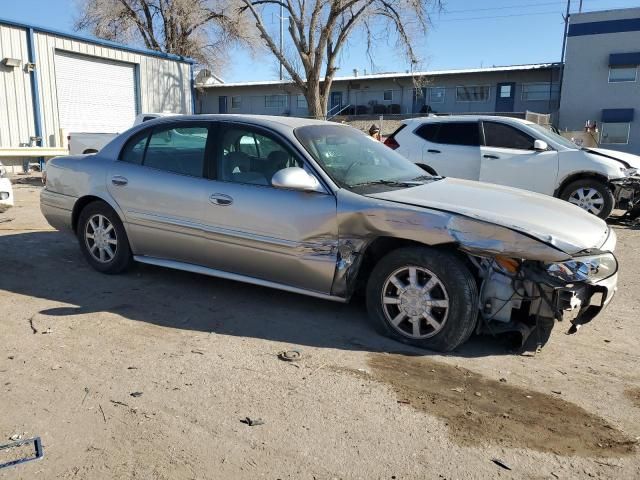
(468, 34)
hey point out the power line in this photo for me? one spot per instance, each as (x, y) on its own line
(491, 17)
(531, 5)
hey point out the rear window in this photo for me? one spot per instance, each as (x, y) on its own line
(451, 133)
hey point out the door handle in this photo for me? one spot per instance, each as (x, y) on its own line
(492, 157)
(434, 151)
(119, 180)
(220, 199)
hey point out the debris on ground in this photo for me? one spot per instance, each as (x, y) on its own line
(252, 422)
(290, 355)
(500, 463)
(197, 352)
(136, 394)
(33, 328)
(38, 452)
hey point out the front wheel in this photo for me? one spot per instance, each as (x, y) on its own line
(591, 195)
(423, 297)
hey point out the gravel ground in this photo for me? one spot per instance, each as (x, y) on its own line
(149, 374)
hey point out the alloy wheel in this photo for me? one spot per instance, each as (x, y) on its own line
(588, 199)
(415, 302)
(100, 238)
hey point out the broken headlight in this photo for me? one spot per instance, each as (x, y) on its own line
(628, 172)
(592, 268)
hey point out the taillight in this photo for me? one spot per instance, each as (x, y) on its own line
(391, 143)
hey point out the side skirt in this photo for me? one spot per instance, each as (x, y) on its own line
(188, 267)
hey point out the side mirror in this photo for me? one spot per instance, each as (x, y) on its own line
(540, 146)
(296, 178)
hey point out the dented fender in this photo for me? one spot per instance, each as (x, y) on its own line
(362, 220)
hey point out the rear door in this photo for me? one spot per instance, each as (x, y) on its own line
(159, 184)
(452, 149)
(508, 158)
(253, 229)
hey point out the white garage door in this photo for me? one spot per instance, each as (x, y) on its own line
(95, 95)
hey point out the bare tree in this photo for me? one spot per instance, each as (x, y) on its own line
(319, 29)
(201, 29)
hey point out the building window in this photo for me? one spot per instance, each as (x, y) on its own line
(543, 91)
(436, 95)
(275, 101)
(387, 95)
(505, 91)
(622, 73)
(615, 133)
(473, 94)
(302, 102)
(236, 102)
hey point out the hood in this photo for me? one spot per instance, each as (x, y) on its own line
(552, 221)
(627, 160)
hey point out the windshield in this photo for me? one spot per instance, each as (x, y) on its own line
(353, 159)
(554, 137)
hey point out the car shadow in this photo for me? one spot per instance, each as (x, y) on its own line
(49, 265)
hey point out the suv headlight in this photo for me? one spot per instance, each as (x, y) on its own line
(592, 269)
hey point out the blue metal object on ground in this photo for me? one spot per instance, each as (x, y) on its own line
(38, 451)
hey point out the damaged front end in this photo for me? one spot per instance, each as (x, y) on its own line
(527, 297)
(626, 191)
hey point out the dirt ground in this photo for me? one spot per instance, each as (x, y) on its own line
(148, 375)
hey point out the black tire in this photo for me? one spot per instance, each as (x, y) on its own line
(122, 258)
(608, 201)
(459, 286)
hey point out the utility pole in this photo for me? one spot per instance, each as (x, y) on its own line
(564, 47)
(580, 9)
(281, 37)
(566, 29)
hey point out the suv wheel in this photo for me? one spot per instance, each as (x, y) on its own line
(423, 297)
(102, 238)
(591, 195)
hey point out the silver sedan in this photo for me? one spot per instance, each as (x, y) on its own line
(321, 209)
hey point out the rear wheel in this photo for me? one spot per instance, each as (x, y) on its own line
(102, 238)
(591, 195)
(423, 297)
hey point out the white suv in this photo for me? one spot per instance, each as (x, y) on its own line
(522, 154)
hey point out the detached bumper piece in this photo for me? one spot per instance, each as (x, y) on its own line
(582, 301)
(23, 456)
(627, 195)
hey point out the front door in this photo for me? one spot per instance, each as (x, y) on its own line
(508, 158)
(283, 236)
(222, 104)
(158, 183)
(336, 102)
(451, 149)
(506, 94)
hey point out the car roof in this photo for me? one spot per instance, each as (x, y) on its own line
(467, 118)
(261, 120)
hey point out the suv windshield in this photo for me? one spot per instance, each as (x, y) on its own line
(353, 159)
(553, 136)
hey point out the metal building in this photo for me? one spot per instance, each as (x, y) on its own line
(600, 85)
(53, 81)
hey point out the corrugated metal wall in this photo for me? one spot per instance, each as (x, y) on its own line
(16, 107)
(164, 85)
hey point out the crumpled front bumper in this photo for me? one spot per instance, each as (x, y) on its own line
(626, 191)
(580, 303)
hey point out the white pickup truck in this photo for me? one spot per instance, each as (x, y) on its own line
(83, 143)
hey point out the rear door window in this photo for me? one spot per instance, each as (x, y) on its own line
(178, 149)
(459, 133)
(500, 135)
